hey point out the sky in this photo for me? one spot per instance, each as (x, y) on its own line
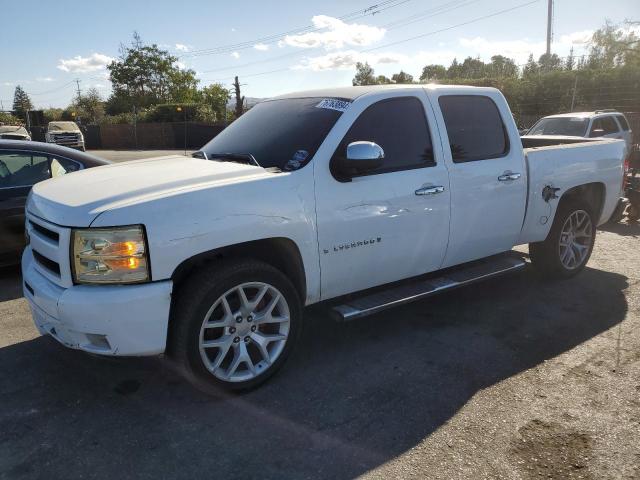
(279, 46)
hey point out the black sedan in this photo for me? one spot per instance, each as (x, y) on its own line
(23, 164)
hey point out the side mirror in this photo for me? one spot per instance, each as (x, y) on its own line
(598, 132)
(362, 157)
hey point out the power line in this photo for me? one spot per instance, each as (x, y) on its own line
(484, 17)
(474, 20)
(444, 8)
(269, 39)
(53, 89)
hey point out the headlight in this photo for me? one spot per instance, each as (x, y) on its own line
(110, 255)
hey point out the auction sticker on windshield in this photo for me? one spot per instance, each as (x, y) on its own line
(333, 104)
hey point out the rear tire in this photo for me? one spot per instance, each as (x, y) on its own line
(235, 323)
(568, 247)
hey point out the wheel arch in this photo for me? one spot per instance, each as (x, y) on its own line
(593, 194)
(280, 252)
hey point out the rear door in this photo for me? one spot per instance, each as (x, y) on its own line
(19, 171)
(487, 175)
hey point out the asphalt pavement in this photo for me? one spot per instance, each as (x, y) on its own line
(514, 378)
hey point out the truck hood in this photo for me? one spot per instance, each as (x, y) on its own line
(75, 200)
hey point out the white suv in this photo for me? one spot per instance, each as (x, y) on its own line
(601, 123)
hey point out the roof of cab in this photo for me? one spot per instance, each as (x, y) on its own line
(351, 93)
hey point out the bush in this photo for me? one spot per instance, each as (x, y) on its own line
(9, 119)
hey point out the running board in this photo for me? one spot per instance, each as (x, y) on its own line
(452, 278)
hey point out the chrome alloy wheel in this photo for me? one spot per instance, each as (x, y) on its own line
(575, 239)
(244, 331)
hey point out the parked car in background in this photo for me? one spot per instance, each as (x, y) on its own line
(23, 164)
(598, 124)
(309, 197)
(67, 134)
(14, 132)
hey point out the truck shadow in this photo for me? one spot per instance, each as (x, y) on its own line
(352, 397)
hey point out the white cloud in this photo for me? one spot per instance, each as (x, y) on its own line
(261, 46)
(8, 84)
(520, 50)
(45, 79)
(335, 34)
(345, 60)
(80, 64)
(576, 38)
(235, 55)
(182, 47)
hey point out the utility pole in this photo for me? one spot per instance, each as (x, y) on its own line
(573, 97)
(78, 84)
(549, 25)
(239, 99)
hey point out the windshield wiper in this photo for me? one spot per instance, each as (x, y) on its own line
(244, 158)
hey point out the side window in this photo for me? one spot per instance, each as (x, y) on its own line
(22, 169)
(399, 126)
(62, 166)
(474, 127)
(623, 122)
(610, 125)
(603, 126)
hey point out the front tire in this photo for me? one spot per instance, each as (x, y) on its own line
(235, 324)
(568, 247)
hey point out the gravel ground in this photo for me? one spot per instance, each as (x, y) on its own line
(514, 378)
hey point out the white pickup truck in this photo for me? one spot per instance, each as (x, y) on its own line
(361, 198)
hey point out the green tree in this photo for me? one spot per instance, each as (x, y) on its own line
(433, 72)
(531, 68)
(549, 63)
(89, 106)
(216, 97)
(146, 75)
(454, 70)
(9, 119)
(364, 75)
(402, 77)
(382, 80)
(501, 67)
(21, 103)
(472, 68)
(613, 46)
(570, 62)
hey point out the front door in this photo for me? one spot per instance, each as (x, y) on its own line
(393, 222)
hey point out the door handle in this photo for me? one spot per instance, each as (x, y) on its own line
(508, 176)
(431, 190)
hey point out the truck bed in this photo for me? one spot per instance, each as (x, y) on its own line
(566, 164)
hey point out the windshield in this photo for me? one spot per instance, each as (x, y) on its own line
(277, 133)
(63, 126)
(566, 126)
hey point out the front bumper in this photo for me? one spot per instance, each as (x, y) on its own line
(125, 320)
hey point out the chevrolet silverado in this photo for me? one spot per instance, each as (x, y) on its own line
(361, 198)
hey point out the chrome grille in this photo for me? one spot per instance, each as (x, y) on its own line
(50, 246)
(65, 138)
